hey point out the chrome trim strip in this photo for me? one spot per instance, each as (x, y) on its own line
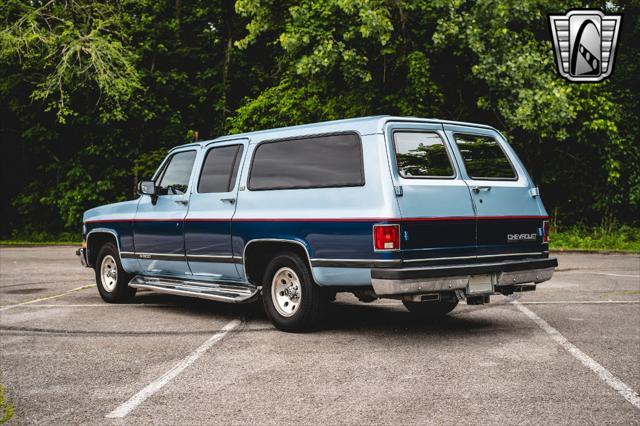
(438, 258)
(180, 257)
(160, 256)
(355, 263)
(538, 253)
(127, 255)
(213, 259)
(318, 259)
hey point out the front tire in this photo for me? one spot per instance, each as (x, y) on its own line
(292, 300)
(431, 309)
(112, 280)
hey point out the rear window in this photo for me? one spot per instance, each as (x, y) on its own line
(483, 157)
(313, 162)
(220, 169)
(422, 155)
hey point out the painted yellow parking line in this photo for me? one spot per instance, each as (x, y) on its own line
(29, 302)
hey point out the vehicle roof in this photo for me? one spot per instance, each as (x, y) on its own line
(362, 125)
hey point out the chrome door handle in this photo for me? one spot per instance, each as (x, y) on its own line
(477, 189)
(228, 200)
(183, 202)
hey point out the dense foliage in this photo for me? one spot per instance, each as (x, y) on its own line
(93, 93)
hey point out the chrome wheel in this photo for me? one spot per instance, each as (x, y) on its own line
(286, 292)
(109, 273)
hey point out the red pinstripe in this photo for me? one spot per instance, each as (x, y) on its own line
(355, 219)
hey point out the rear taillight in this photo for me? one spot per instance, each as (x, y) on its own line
(545, 231)
(386, 237)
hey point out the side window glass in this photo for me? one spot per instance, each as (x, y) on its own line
(175, 178)
(422, 155)
(309, 162)
(220, 169)
(483, 157)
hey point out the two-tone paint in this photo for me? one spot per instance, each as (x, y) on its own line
(442, 221)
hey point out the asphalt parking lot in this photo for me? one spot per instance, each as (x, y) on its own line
(568, 353)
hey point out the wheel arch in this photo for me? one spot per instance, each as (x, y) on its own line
(257, 254)
(96, 238)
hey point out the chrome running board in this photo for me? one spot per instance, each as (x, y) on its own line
(219, 291)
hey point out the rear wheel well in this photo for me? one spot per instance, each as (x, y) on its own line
(94, 242)
(258, 254)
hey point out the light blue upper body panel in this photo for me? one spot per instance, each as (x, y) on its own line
(362, 125)
(124, 210)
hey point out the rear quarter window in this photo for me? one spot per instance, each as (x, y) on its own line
(484, 158)
(310, 162)
(422, 155)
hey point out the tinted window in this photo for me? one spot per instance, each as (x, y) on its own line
(175, 178)
(421, 155)
(483, 157)
(220, 169)
(314, 162)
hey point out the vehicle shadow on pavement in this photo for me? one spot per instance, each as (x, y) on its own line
(340, 316)
(381, 318)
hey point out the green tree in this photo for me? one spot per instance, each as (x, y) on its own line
(93, 93)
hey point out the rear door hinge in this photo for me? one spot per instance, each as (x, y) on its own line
(534, 192)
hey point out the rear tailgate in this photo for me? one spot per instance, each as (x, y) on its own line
(438, 224)
(510, 215)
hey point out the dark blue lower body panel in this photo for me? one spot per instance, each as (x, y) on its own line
(341, 249)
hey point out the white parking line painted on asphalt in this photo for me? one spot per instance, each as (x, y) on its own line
(604, 374)
(581, 302)
(153, 387)
(587, 271)
(4, 308)
(616, 275)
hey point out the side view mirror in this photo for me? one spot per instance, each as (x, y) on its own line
(147, 187)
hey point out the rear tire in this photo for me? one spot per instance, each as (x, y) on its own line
(292, 300)
(431, 309)
(112, 280)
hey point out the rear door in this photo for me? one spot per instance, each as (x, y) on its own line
(438, 219)
(509, 214)
(213, 203)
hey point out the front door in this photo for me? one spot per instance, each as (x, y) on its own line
(438, 219)
(509, 213)
(213, 203)
(159, 222)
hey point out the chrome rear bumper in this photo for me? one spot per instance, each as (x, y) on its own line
(410, 281)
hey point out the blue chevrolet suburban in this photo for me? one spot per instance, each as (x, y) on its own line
(429, 212)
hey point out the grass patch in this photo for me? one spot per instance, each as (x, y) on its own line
(6, 410)
(23, 238)
(622, 238)
(38, 243)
